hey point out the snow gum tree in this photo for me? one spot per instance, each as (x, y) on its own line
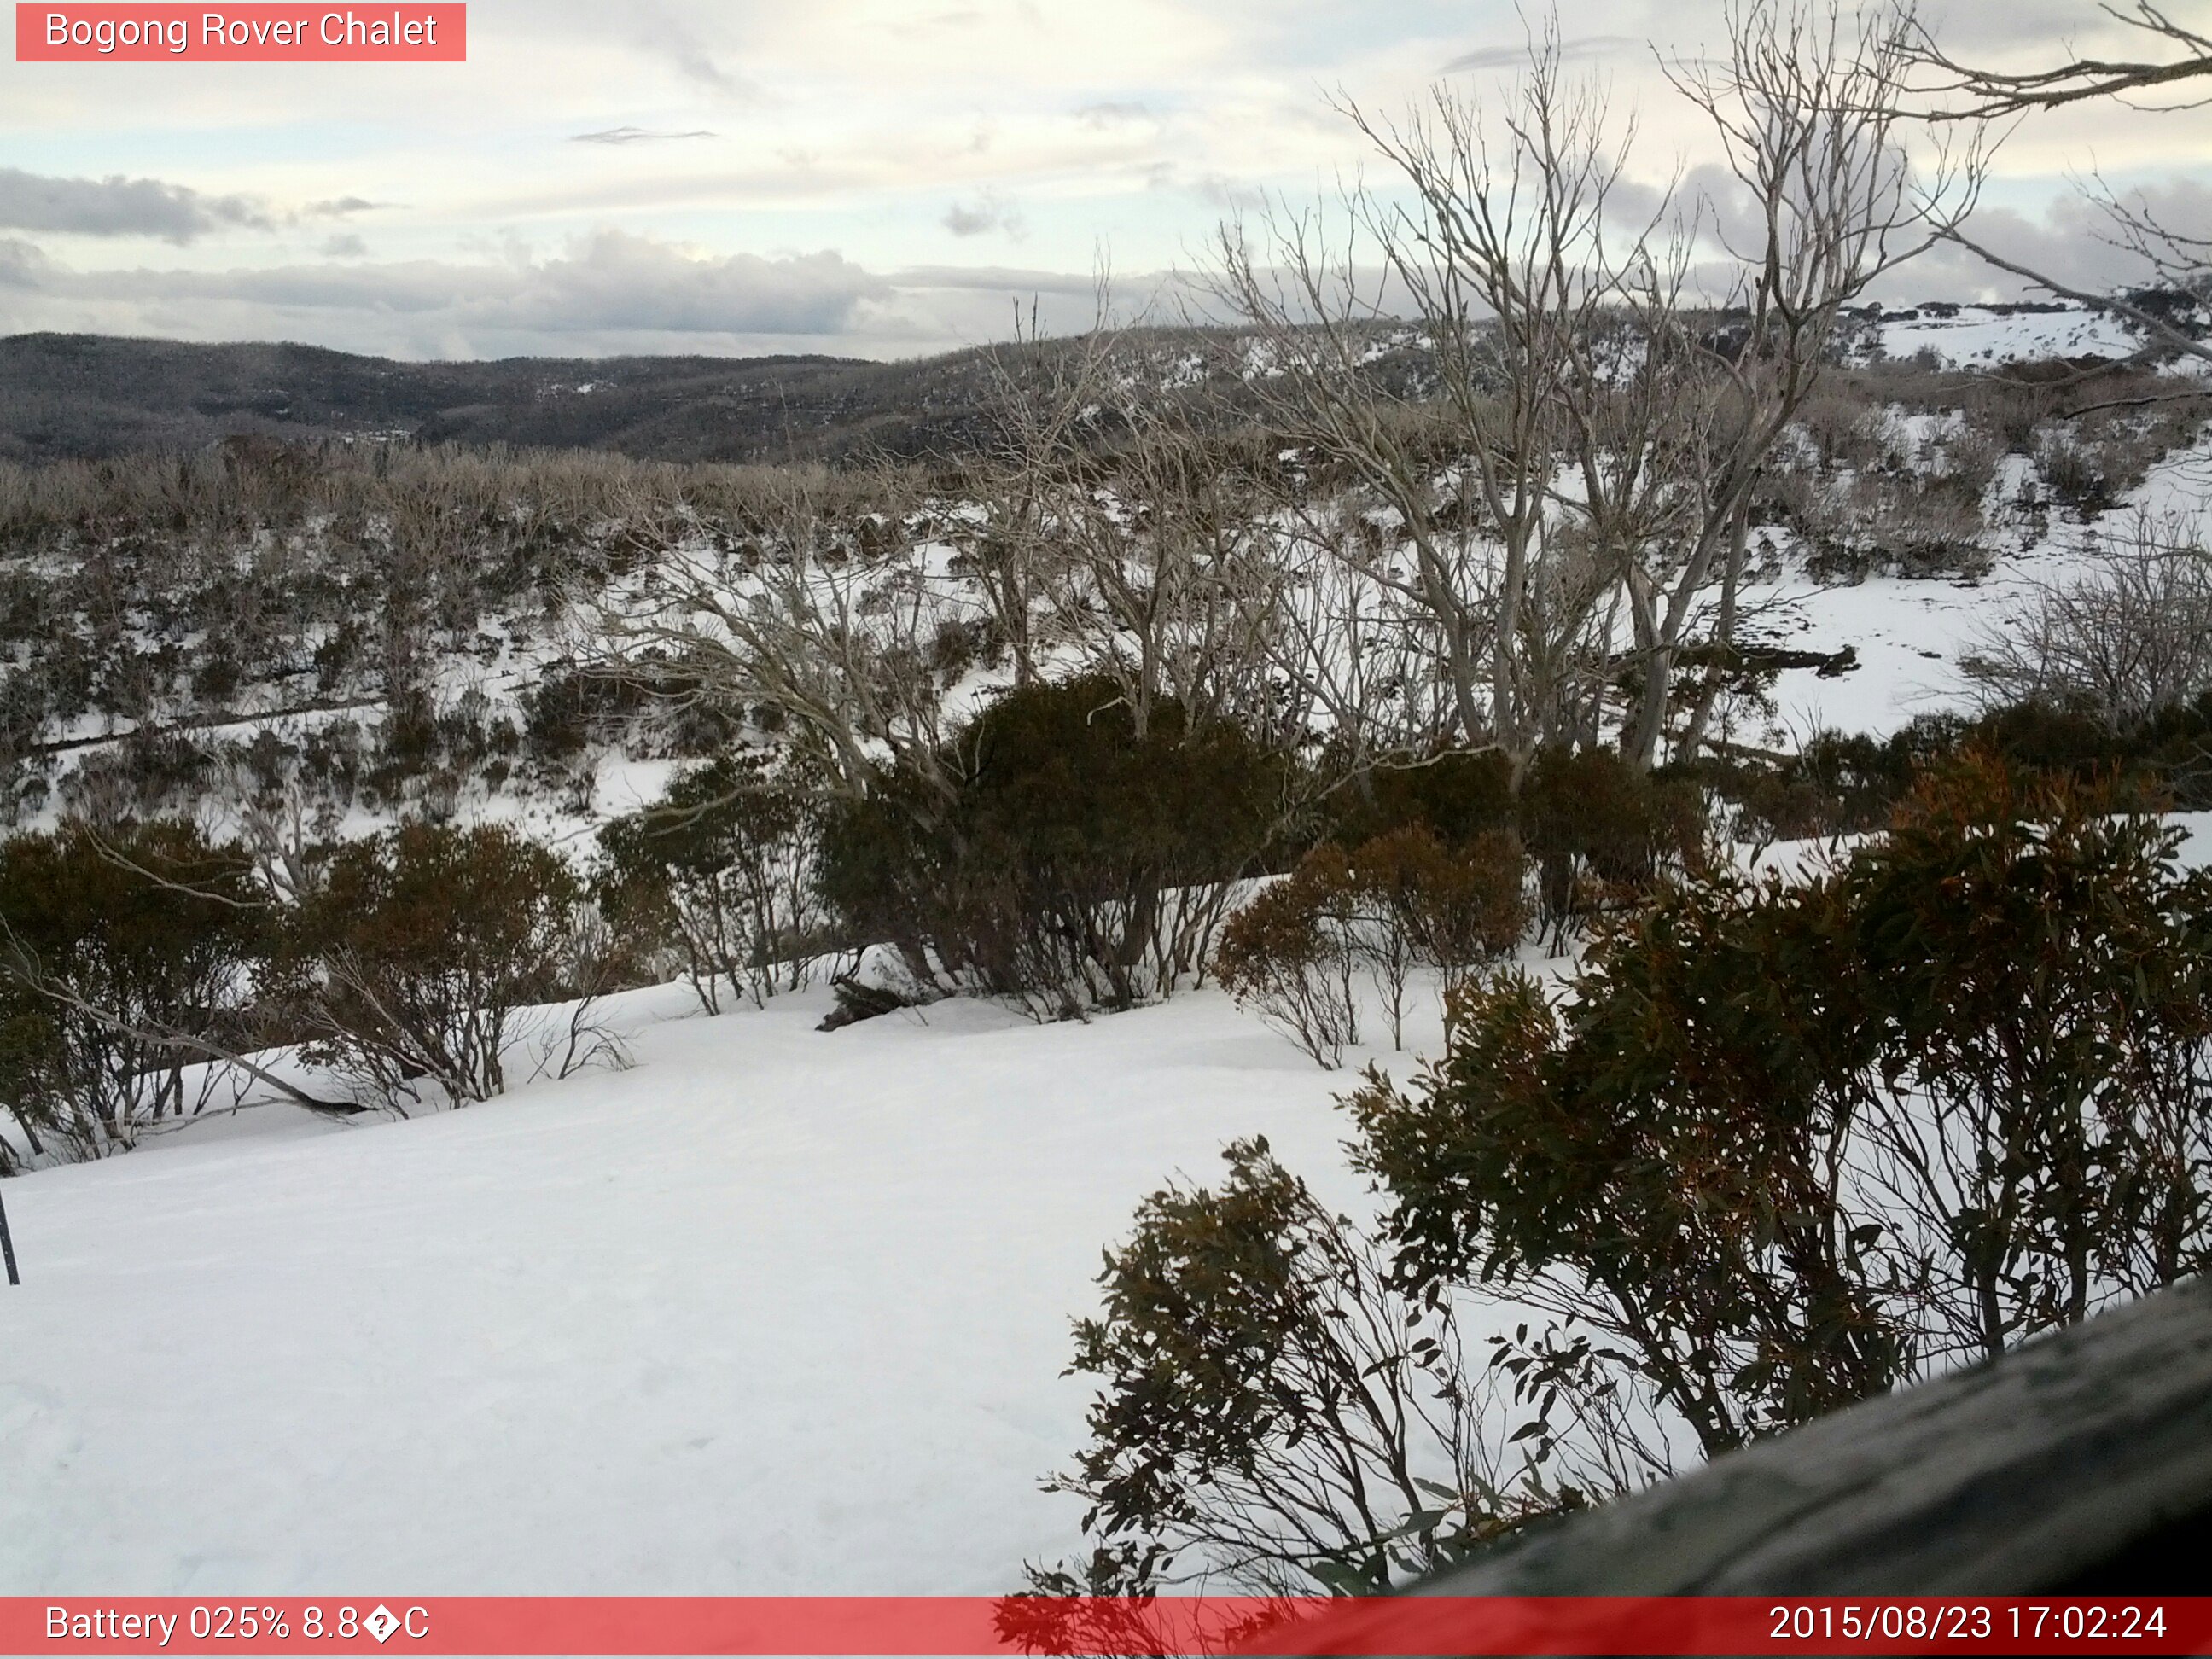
(1613, 366)
(723, 866)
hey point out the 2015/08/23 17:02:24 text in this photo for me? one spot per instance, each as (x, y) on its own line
(1968, 1622)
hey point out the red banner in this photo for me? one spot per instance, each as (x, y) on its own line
(257, 34)
(1202, 1625)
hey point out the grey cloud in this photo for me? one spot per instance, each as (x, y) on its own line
(995, 279)
(1589, 46)
(988, 214)
(348, 247)
(610, 280)
(608, 293)
(117, 206)
(22, 264)
(2068, 243)
(2182, 206)
(339, 207)
(1111, 113)
(666, 37)
(634, 136)
(2071, 241)
(1230, 194)
(1724, 205)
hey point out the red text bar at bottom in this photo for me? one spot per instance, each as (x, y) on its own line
(401, 1625)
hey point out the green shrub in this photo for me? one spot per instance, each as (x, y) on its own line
(1457, 906)
(1779, 1147)
(1400, 901)
(419, 947)
(1057, 857)
(1292, 952)
(120, 954)
(1599, 830)
(723, 869)
(1270, 1408)
(1846, 784)
(1456, 795)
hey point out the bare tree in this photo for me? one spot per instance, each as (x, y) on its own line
(1811, 111)
(1495, 258)
(2123, 640)
(1168, 580)
(2170, 256)
(1047, 399)
(1604, 399)
(843, 625)
(1356, 661)
(1124, 529)
(1985, 94)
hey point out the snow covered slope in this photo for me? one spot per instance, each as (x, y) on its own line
(776, 1310)
(1910, 633)
(1983, 336)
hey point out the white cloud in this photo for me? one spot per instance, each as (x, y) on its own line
(611, 292)
(852, 126)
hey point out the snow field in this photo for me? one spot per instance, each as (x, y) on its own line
(774, 1311)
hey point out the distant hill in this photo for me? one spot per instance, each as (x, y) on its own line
(89, 395)
(81, 395)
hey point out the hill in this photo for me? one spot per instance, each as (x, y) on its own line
(85, 396)
(90, 396)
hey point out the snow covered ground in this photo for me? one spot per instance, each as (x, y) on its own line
(1979, 337)
(774, 1311)
(1910, 633)
(771, 1311)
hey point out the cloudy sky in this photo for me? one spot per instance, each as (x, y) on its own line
(879, 178)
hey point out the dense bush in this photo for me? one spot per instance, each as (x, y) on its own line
(1271, 1409)
(1779, 1147)
(1293, 954)
(568, 710)
(722, 869)
(1404, 900)
(1842, 783)
(1455, 794)
(1456, 906)
(122, 957)
(1774, 1148)
(1056, 855)
(415, 954)
(1599, 830)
